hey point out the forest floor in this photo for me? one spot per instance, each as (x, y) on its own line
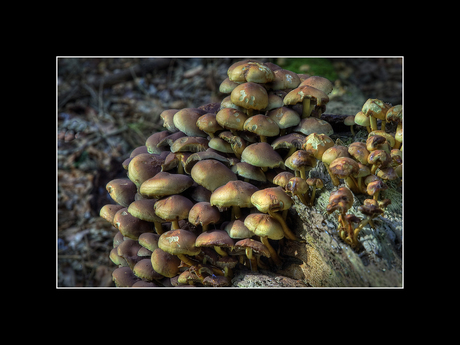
(108, 106)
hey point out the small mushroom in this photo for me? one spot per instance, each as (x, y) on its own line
(375, 109)
(253, 249)
(350, 121)
(231, 119)
(208, 124)
(122, 191)
(374, 188)
(179, 242)
(315, 183)
(250, 96)
(204, 214)
(304, 94)
(346, 168)
(331, 154)
(311, 125)
(262, 125)
(300, 161)
(341, 200)
(362, 119)
(130, 226)
(173, 208)
(212, 174)
(299, 187)
(124, 277)
(185, 121)
(284, 117)
(266, 227)
(217, 239)
(378, 159)
(144, 210)
(235, 194)
(165, 263)
(144, 166)
(250, 71)
(262, 155)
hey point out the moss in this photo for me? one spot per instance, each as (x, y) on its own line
(318, 66)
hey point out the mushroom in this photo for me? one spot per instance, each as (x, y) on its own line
(266, 227)
(378, 159)
(359, 152)
(227, 86)
(250, 96)
(284, 117)
(262, 155)
(173, 208)
(250, 71)
(292, 141)
(370, 210)
(374, 188)
(144, 210)
(108, 212)
(217, 239)
(388, 137)
(185, 121)
(375, 109)
(319, 83)
(350, 121)
(330, 155)
(144, 166)
(311, 125)
(130, 226)
(168, 123)
(346, 168)
(253, 248)
(124, 277)
(363, 120)
(299, 162)
(303, 94)
(179, 242)
(237, 230)
(144, 270)
(341, 200)
(152, 142)
(394, 114)
(122, 191)
(284, 79)
(208, 124)
(315, 183)
(235, 194)
(262, 125)
(299, 187)
(231, 119)
(272, 200)
(212, 174)
(248, 172)
(164, 183)
(203, 213)
(165, 263)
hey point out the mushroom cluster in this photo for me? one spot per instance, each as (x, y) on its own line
(211, 192)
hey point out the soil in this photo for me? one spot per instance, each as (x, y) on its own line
(101, 119)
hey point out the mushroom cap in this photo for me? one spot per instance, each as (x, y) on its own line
(394, 114)
(122, 191)
(311, 125)
(164, 183)
(131, 226)
(358, 151)
(316, 144)
(164, 263)
(274, 101)
(203, 155)
(203, 213)
(299, 159)
(379, 157)
(316, 182)
(144, 209)
(284, 79)
(261, 125)
(283, 178)
(190, 144)
(185, 121)
(212, 174)
(274, 198)
(227, 86)
(231, 118)
(149, 240)
(213, 238)
(349, 120)
(249, 171)
(387, 173)
(297, 185)
(343, 167)
(284, 117)
(376, 186)
(168, 122)
(362, 119)
(376, 108)
(178, 242)
(288, 141)
(370, 209)
(108, 211)
(174, 207)
(237, 230)
(233, 193)
(208, 123)
(340, 199)
(216, 281)
(152, 142)
(263, 225)
(144, 166)
(262, 155)
(124, 277)
(144, 270)
(388, 137)
(333, 153)
(257, 247)
(250, 71)
(319, 83)
(250, 96)
(298, 94)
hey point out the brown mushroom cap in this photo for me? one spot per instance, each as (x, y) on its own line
(250, 71)
(298, 94)
(227, 86)
(262, 155)
(144, 166)
(208, 124)
(261, 125)
(108, 211)
(257, 247)
(174, 207)
(340, 199)
(131, 226)
(271, 198)
(237, 230)
(316, 144)
(164, 183)
(249, 171)
(333, 153)
(212, 174)
(262, 224)
(124, 277)
(343, 167)
(319, 83)
(379, 158)
(376, 186)
(212, 238)
(178, 242)
(122, 191)
(284, 79)
(144, 209)
(149, 240)
(299, 160)
(232, 119)
(284, 117)
(164, 263)
(168, 122)
(283, 178)
(190, 144)
(250, 96)
(358, 151)
(375, 108)
(311, 125)
(233, 193)
(185, 120)
(203, 213)
(144, 270)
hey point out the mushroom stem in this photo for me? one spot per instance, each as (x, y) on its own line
(373, 121)
(352, 131)
(185, 260)
(158, 228)
(291, 151)
(335, 180)
(306, 111)
(273, 254)
(263, 138)
(312, 196)
(175, 224)
(220, 251)
(236, 213)
(374, 168)
(287, 232)
(302, 173)
(252, 259)
(368, 129)
(302, 198)
(358, 229)
(352, 184)
(382, 127)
